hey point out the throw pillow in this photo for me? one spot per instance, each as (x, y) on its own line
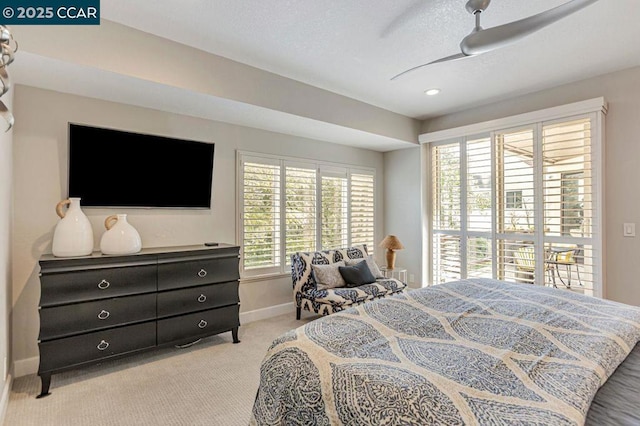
(328, 276)
(357, 274)
(371, 263)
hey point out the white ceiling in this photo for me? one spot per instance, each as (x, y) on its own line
(354, 47)
(348, 47)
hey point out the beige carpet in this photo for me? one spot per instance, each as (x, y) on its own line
(211, 383)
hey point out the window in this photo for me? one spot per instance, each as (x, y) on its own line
(289, 205)
(261, 215)
(300, 210)
(446, 213)
(514, 200)
(519, 205)
(362, 210)
(334, 211)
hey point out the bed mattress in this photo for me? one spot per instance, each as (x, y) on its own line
(617, 402)
(468, 352)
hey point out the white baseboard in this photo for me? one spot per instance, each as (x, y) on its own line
(4, 402)
(24, 367)
(264, 313)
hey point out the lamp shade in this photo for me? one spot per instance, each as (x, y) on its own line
(391, 242)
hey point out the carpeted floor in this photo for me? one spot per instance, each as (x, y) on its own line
(211, 383)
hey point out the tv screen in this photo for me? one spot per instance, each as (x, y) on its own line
(112, 168)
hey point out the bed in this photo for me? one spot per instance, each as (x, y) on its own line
(475, 351)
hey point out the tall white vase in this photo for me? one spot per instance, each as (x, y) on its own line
(73, 235)
(120, 237)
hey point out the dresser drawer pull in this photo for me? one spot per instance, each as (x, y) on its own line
(103, 315)
(202, 298)
(202, 324)
(104, 284)
(102, 345)
(202, 273)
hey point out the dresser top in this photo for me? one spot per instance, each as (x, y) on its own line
(143, 252)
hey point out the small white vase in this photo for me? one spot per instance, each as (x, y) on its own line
(120, 237)
(73, 235)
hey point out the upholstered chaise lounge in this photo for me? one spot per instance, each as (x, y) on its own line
(307, 295)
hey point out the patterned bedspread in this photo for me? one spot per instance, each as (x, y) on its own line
(468, 352)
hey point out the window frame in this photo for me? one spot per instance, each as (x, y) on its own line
(594, 109)
(240, 217)
(515, 201)
(298, 164)
(322, 168)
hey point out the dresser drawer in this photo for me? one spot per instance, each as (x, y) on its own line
(176, 302)
(91, 284)
(198, 272)
(67, 320)
(192, 326)
(77, 350)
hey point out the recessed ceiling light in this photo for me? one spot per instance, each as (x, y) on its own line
(432, 92)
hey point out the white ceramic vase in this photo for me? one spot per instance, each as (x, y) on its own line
(120, 237)
(73, 235)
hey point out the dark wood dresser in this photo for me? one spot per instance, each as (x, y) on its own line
(100, 307)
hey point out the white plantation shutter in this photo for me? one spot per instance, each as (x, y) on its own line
(569, 212)
(516, 205)
(479, 186)
(300, 210)
(289, 205)
(446, 258)
(362, 210)
(524, 206)
(515, 180)
(260, 215)
(335, 232)
(479, 257)
(517, 260)
(447, 209)
(479, 208)
(446, 187)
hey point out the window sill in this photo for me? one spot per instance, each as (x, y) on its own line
(263, 277)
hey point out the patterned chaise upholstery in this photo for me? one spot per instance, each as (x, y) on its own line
(325, 302)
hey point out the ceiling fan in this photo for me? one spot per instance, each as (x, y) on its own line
(481, 41)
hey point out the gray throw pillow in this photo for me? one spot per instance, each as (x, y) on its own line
(371, 263)
(328, 276)
(357, 275)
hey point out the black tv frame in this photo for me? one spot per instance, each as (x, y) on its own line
(103, 164)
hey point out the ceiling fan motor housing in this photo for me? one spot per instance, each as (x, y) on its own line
(475, 6)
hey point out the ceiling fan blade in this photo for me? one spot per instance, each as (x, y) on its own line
(492, 38)
(446, 59)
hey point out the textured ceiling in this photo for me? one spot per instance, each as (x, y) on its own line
(354, 47)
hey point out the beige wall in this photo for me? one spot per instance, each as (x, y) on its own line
(402, 208)
(40, 153)
(155, 59)
(6, 146)
(622, 163)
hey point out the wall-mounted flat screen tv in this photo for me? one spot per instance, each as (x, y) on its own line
(113, 168)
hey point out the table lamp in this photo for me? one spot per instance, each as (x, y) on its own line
(391, 243)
